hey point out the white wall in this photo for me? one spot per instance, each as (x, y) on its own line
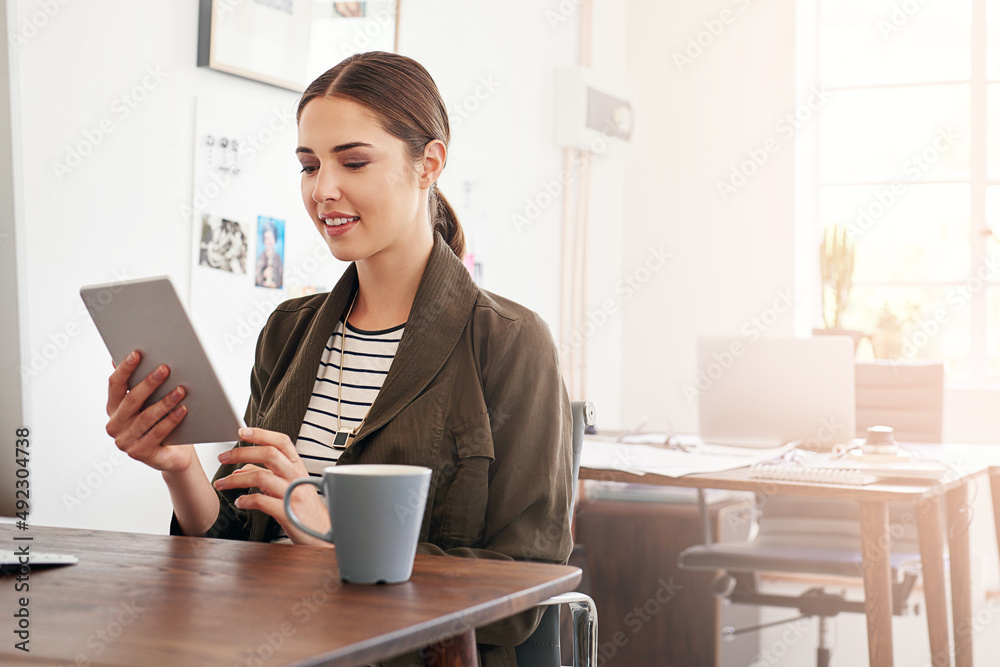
(695, 122)
(117, 214)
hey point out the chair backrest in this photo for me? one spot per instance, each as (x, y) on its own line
(906, 395)
(584, 415)
(542, 649)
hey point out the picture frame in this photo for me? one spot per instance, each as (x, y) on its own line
(287, 43)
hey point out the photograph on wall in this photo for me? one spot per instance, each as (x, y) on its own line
(270, 252)
(264, 40)
(305, 290)
(223, 244)
(341, 29)
(349, 10)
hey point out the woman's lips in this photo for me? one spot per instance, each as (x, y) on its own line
(339, 230)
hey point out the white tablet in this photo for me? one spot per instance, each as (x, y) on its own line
(147, 315)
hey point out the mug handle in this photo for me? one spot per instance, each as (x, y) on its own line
(291, 514)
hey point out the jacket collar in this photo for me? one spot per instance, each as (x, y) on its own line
(440, 312)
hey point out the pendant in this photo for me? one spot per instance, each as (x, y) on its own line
(342, 439)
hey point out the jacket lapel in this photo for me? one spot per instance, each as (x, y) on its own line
(298, 382)
(440, 312)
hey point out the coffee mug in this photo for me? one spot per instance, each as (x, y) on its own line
(376, 511)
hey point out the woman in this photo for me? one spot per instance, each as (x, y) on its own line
(468, 385)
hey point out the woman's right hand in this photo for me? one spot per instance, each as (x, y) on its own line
(139, 432)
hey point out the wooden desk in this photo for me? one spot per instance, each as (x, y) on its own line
(155, 600)
(875, 530)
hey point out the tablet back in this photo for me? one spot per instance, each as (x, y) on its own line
(148, 316)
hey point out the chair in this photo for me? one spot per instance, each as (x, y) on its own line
(542, 648)
(907, 396)
(820, 536)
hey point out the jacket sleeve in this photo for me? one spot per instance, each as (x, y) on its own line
(530, 480)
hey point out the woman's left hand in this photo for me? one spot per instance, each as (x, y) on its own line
(271, 467)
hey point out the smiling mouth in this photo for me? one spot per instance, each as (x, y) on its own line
(337, 222)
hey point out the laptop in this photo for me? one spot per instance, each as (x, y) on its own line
(767, 392)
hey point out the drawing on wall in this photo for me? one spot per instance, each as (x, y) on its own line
(271, 252)
(223, 244)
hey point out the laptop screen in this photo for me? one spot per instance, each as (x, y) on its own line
(769, 391)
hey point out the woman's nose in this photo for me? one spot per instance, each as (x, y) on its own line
(326, 187)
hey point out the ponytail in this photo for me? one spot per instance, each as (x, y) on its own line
(444, 220)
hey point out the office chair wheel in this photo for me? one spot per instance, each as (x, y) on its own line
(723, 585)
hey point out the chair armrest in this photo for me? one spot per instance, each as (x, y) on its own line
(584, 626)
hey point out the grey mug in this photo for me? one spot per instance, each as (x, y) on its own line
(376, 511)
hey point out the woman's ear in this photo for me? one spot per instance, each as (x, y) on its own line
(432, 164)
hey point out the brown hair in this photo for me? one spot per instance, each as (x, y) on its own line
(406, 101)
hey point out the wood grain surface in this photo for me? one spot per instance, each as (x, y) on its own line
(138, 599)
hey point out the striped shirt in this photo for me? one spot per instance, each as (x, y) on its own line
(367, 357)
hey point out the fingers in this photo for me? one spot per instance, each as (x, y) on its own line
(126, 426)
(254, 476)
(275, 452)
(279, 441)
(136, 397)
(271, 500)
(118, 382)
(259, 501)
(147, 441)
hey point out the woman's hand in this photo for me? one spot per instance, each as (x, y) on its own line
(271, 467)
(139, 432)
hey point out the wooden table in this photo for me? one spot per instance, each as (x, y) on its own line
(154, 600)
(873, 500)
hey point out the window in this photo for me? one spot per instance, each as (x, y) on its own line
(908, 159)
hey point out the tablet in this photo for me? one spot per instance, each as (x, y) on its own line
(147, 315)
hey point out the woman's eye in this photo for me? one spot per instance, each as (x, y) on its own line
(308, 168)
(354, 165)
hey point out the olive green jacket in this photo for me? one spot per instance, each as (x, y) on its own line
(474, 393)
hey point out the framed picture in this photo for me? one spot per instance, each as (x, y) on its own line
(288, 43)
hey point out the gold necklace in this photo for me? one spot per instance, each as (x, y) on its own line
(344, 436)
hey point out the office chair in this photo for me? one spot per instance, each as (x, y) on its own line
(821, 536)
(542, 648)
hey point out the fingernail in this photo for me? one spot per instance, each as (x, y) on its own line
(132, 357)
(246, 432)
(217, 484)
(223, 457)
(160, 372)
(177, 394)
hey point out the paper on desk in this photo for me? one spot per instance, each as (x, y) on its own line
(643, 459)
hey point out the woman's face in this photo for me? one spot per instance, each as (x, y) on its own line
(364, 194)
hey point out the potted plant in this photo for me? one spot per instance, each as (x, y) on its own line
(836, 266)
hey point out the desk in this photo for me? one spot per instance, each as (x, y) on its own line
(155, 600)
(873, 500)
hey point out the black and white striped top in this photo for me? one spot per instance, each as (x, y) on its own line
(367, 358)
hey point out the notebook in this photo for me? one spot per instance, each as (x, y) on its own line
(766, 392)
